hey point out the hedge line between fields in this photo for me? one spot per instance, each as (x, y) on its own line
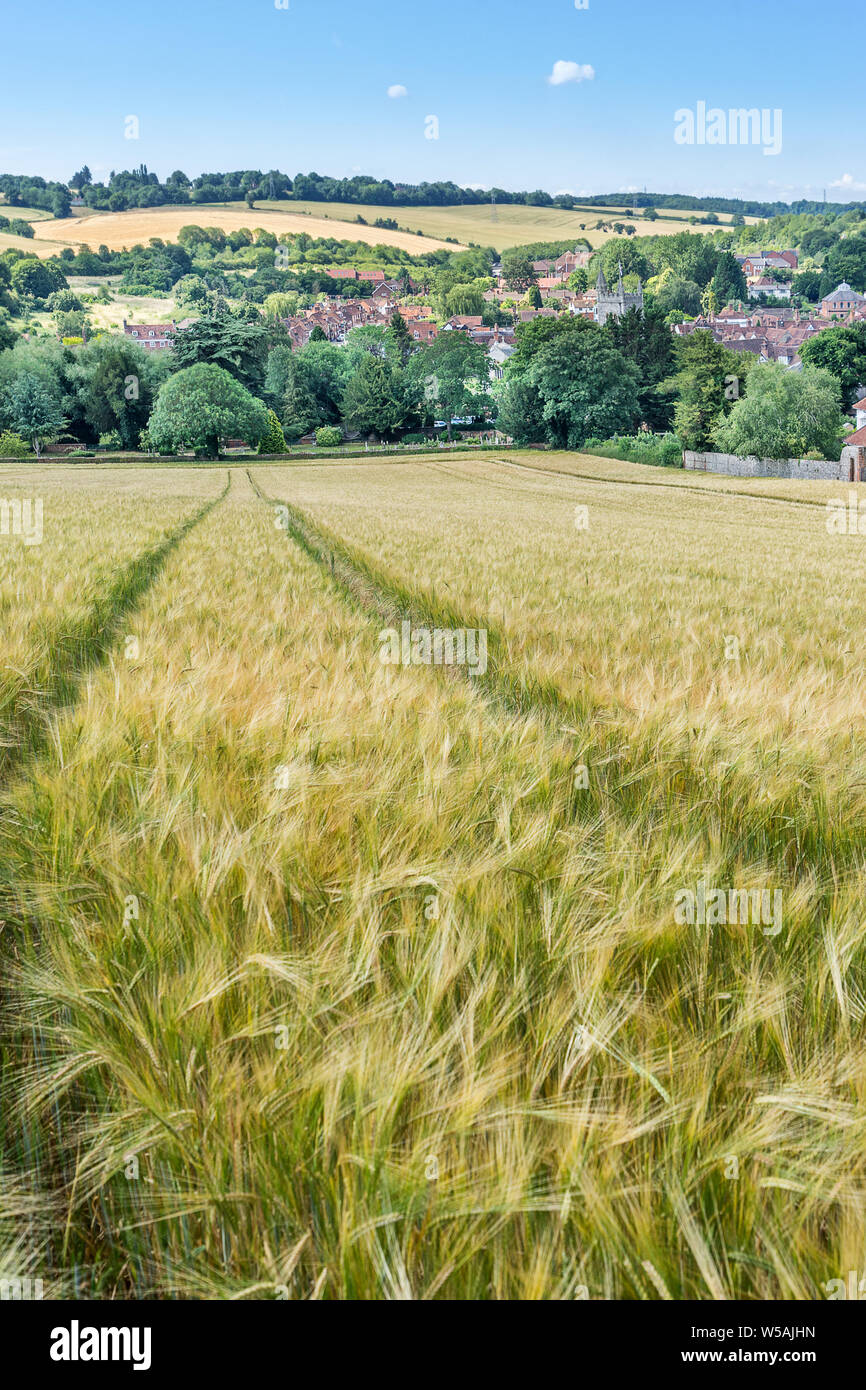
(89, 460)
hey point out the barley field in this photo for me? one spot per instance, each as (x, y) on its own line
(327, 976)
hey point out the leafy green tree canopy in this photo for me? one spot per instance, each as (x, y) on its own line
(200, 406)
(842, 351)
(34, 412)
(784, 415)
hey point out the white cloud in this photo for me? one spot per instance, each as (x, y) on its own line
(848, 184)
(398, 90)
(570, 72)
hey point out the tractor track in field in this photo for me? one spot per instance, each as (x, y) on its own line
(618, 759)
(668, 487)
(386, 599)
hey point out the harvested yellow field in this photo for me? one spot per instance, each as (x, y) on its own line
(29, 246)
(121, 230)
(337, 969)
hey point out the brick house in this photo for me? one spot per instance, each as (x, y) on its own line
(420, 327)
(153, 336)
(771, 289)
(840, 303)
(854, 456)
(571, 261)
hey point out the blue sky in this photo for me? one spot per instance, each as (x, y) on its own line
(229, 84)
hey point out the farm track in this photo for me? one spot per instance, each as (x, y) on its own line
(641, 482)
(73, 649)
(798, 835)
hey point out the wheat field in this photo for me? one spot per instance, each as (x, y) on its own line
(331, 977)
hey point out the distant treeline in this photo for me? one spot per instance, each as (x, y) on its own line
(137, 188)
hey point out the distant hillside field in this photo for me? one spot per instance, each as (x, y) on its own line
(120, 230)
(25, 214)
(44, 247)
(513, 224)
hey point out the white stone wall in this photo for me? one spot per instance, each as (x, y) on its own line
(731, 464)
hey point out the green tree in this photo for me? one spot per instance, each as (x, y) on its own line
(273, 441)
(463, 300)
(728, 282)
(576, 386)
(842, 351)
(64, 301)
(520, 410)
(8, 336)
(277, 375)
(399, 337)
(36, 278)
(369, 337)
(452, 374)
(578, 280)
(300, 412)
(326, 369)
(12, 446)
(74, 324)
(807, 285)
(375, 400)
(281, 305)
(708, 381)
(674, 296)
(621, 252)
(534, 297)
(531, 337)
(846, 261)
(34, 413)
(116, 383)
(200, 406)
(643, 337)
(517, 270)
(224, 340)
(784, 415)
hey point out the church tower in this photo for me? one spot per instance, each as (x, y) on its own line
(615, 303)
